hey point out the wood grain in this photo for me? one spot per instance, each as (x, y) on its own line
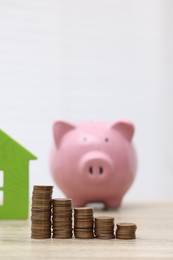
(154, 237)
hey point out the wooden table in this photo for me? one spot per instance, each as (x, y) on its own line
(154, 237)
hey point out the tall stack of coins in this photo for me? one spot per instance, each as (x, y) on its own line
(41, 212)
(104, 227)
(126, 231)
(62, 218)
(83, 223)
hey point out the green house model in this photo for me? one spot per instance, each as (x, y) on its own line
(14, 178)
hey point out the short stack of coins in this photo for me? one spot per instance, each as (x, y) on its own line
(104, 227)
(83, 223)
(62, 218)
(41, 212)
(126, 231)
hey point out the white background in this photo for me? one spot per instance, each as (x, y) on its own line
(86, 60)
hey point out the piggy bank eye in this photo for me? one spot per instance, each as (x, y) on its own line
(106, 139)
(85, 139)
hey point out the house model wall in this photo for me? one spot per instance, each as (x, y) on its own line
(14, 176)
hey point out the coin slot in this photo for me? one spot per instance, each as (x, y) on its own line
(1, 198)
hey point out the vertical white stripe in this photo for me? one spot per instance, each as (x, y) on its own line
(1, 198)
(1, 179)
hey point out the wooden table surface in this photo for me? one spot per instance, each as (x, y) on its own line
(154, 237)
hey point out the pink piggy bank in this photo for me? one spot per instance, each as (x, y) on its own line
(93, 162)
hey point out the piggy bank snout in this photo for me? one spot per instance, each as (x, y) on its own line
(96, 166)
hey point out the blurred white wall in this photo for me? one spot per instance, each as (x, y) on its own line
(89, 60)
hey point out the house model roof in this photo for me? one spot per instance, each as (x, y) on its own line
(11, 151)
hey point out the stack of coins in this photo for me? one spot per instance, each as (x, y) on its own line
(41, 212)
(126, 231)
(104, 227)
(62, 218)
(83, 223)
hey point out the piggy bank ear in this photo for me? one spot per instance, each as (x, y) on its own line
(125, 128)
(60, 128)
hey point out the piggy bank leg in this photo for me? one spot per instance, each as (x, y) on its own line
(113, 203)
